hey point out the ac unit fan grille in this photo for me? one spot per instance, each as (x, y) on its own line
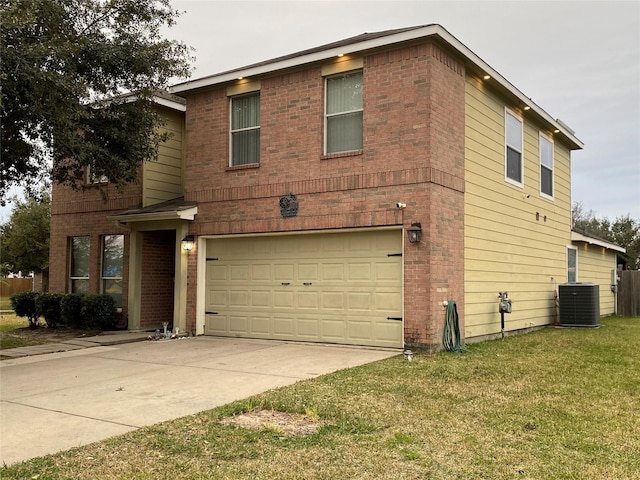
(579, 304)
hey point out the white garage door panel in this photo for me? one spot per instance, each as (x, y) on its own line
(339, 287)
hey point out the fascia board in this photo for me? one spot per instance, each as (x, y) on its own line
(481, 64)
(165, 102)
(170, 104)
(186, 214)
(427, 31)
(578, 237)
(303, 59)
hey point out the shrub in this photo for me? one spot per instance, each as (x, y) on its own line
(24, 304)
(100, 311)
(48, 306)
(71, 309)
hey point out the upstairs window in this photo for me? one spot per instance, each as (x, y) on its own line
(343, 113)
(79, 265)
(546, 166)
(112, 261)
(513, 149)
(94, 179)
(245, 129)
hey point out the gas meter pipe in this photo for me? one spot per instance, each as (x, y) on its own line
(504, 307)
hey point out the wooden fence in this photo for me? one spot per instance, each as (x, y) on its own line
(9, 286)
(629, 293)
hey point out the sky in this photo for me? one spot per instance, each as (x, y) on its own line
(578, 60)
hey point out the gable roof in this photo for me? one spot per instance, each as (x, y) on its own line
(387, 38)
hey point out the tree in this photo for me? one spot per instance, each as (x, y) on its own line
(78, 78)
(24, 239)
(624, 231)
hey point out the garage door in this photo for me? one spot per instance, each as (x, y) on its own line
(332, 287)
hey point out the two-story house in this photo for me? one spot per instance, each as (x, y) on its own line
(340, 194)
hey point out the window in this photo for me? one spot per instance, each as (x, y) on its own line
(513, 147)
(572, 264)
(343, 113)
(546, 166)
(112, 261)
(93, 179)
(245, 129)
(79, 265)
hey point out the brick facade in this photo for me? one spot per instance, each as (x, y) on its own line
(85, 213)
(158, 272)
(414, 114)
(413, 152)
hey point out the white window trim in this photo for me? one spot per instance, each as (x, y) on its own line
(553, 166)
(326, 115)
(231, 131)
(507, 179)
(575, 249)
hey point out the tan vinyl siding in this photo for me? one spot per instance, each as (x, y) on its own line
(508, 248)
(163, 178)
(594, 266)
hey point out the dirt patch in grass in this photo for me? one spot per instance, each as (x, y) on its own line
(286, 423)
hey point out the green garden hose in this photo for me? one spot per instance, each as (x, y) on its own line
(451, 333)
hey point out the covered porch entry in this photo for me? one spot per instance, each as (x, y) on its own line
(157, 264)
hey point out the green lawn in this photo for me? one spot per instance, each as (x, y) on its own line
(13, 332)
(552, 404)
(5, 303)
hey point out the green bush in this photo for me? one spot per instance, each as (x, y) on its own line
(72, 311)
(76, 310)
(24, 304)
(48, 306)
(100, 311)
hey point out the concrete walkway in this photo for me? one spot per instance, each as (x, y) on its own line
(116, 338)
(55, 401)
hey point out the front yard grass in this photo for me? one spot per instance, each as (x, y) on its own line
(15, 332)
(5, 303)
(552, 404)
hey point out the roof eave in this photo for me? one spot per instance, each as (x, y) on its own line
(188, 214)
(436, 31)
(173, 105)
(276, 65)
(579, 237)
(557, 126)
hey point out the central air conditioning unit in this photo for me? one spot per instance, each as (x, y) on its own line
(579, 304)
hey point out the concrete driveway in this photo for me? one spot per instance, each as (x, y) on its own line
(58, 401)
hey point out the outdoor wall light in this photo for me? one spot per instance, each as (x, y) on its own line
(187, 243)
(414, 232)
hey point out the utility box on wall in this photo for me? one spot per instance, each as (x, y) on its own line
(579, 304)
